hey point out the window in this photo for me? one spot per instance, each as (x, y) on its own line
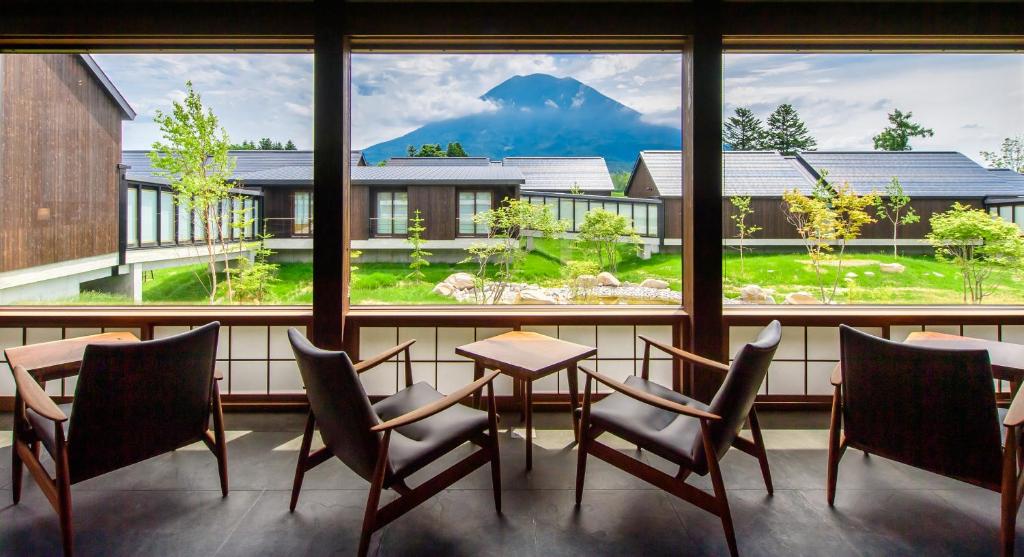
(147, 215)
(132, 213)
(848, 117)
(184, 224)
(472, 203)
(166, 217)
(392, 213)
(1018, 216)
(302, 213)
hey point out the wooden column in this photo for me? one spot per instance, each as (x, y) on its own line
(702, 193)
(330, 176)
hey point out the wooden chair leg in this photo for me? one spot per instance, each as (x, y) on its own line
(834, 446)
(584, 444)
(301, 466)
(220, 442)
(16, 473)
(63, 483)
(762, 454)
(1008, 495)
(492, 419)
(721, 498)
(373, 499)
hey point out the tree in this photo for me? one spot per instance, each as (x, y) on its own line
(828, 216)
(252, 279)
(743, 230)
(505, 224)
(1011, 155)
(601, 232)
(895, 207)
(455, 150)
(896, 137)
(744, 131)
(977, 243)
(265, 144)
(418, 256)
(290, 146)
(426, 150)
(193, 157)
(787, 133)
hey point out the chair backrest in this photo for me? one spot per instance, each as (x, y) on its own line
(735, 397)
(927, 407)
(339, 403)
(137, 400)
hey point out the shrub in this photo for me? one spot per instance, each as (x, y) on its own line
(601, 232)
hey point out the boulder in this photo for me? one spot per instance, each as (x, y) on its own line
(656, 284)
(534, 296)
(869, 273)
(460, 281)
(444, 289)
(754, 294)
(607, 279)
(851, 275)
(893, 268)
(587, 281)
(801, 298)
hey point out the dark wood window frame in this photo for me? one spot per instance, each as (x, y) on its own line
(375, 218)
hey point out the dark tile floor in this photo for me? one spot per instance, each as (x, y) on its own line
(171, 505)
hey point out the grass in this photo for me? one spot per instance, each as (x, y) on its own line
(925, 281)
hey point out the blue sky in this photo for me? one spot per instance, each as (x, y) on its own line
(971, 100)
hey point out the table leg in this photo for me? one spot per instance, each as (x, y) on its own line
(529, 424)
(478, 372)
(574, 399)
(522, 401)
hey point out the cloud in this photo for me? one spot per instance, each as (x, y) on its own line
(299, 109)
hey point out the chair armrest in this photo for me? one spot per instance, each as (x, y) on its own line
(648, 398)
(683, 354)
(438, 405)
(35, 398)
(1015, 415)
(384, 356)
(837, 374)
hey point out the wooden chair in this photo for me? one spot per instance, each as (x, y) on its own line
(930, 408)
(133, 401)
(386, 442)
(693, 435)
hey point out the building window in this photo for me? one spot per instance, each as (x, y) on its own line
(1018, 216)
(184, 226)
(392, 213)
(302, 213)
(166, 217)
(472, 203)
(132, 213)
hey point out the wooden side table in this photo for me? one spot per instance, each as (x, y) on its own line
(527, 357)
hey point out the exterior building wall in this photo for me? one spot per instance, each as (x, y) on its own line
(60, 144)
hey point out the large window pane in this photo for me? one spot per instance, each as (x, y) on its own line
(467, 204)
(132, 221)
(184, 223)
(166, 217)
(148, 215)
(881, 132)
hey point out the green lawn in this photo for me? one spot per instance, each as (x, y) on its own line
(925, 281)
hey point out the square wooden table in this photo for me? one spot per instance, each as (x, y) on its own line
(527, 357)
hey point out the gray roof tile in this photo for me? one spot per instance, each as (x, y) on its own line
(438, 161)
(559, 174)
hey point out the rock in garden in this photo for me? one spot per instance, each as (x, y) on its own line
(444, 289)
(869, 273)
(754, 294)
(893, 268)
(534, 296)
(938, 274)
(607, 279)
(587, 281)
(656, 284)
(851, 274)
(460, 281)
(798, 298)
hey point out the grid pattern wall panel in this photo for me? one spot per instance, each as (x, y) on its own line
(807, 355)
(619, 354)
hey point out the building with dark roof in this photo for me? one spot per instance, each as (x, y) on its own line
(62, 112)
(933, 180)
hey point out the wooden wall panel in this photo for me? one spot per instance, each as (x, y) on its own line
(439, 209)
(59, 154)
(673, 211)
(359, 213)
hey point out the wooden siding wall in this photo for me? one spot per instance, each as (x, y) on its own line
(277, 204)
(359, 213)
(438, 207)
(60, 142)
(770, 215)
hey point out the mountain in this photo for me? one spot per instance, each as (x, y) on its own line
(542, 115)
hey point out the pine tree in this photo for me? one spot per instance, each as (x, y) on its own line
(418, 256)
(290, 146)
(744, 131)
(455, 150)
(787, 133)
(896, 137)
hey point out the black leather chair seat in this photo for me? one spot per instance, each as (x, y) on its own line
(420, 443)
(44, 428)
(667, 434)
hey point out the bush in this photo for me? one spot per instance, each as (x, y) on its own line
(375, 281)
